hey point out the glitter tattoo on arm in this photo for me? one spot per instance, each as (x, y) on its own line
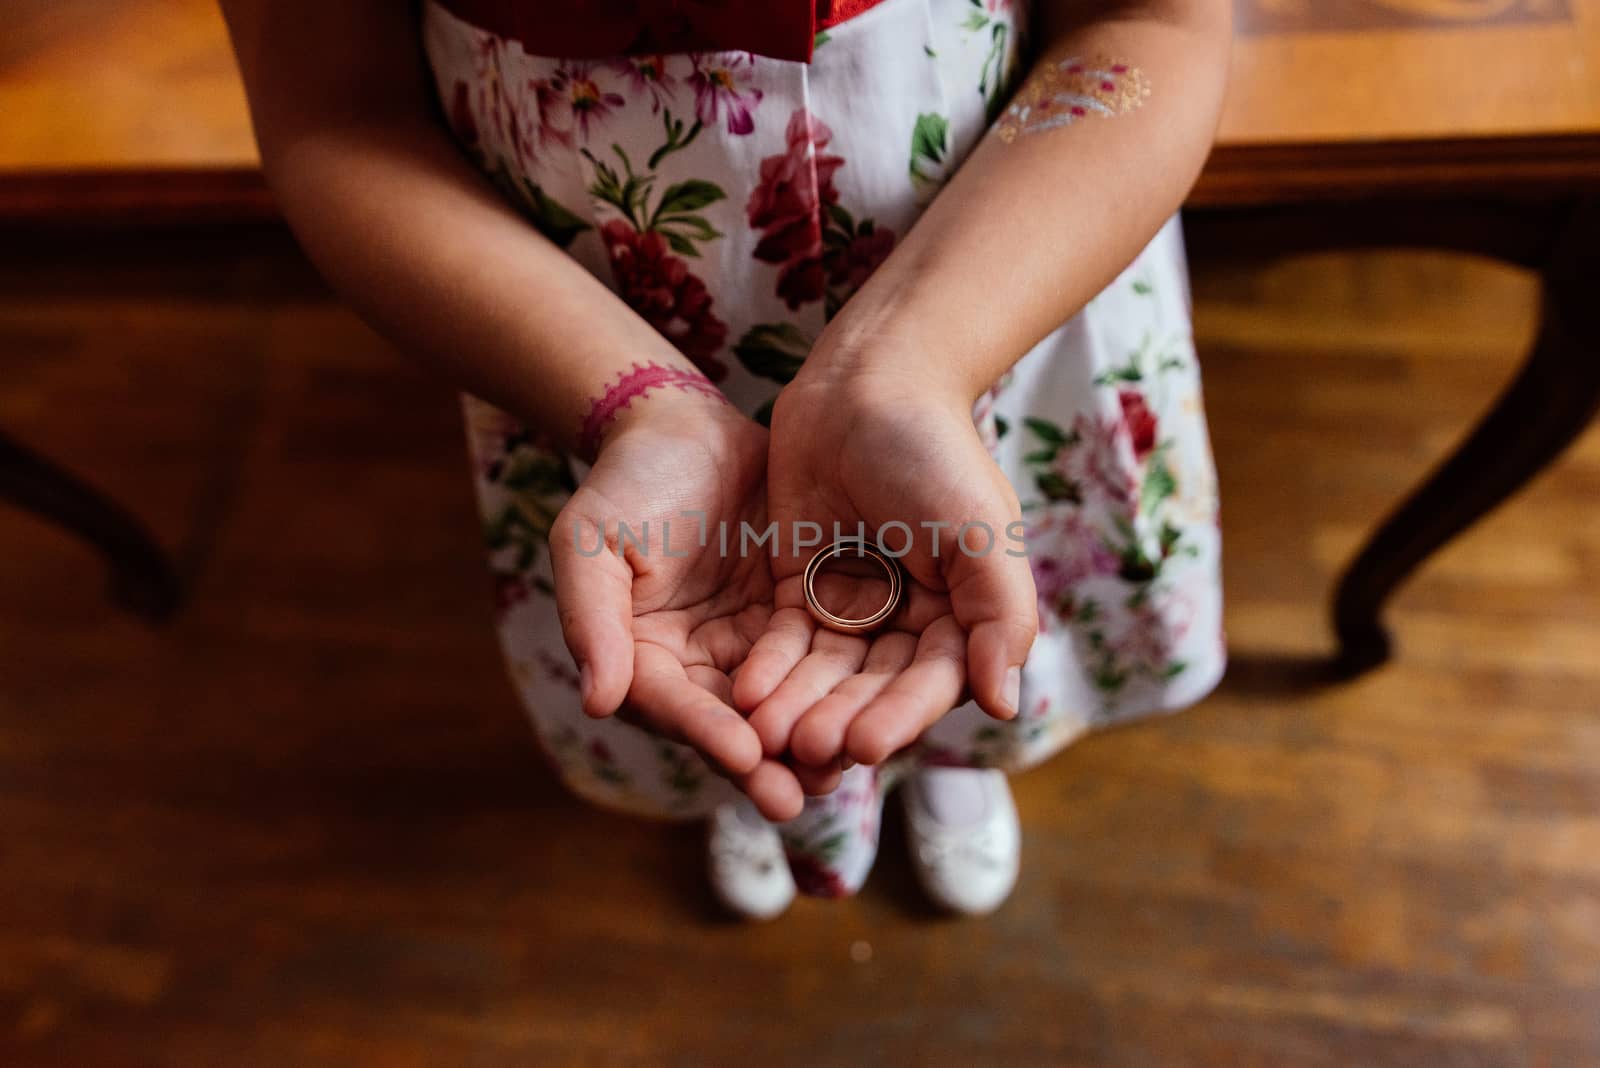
(1059, 94)
(642, 379)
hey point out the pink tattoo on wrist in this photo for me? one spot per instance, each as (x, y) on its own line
(642, 379)
(1059, 94)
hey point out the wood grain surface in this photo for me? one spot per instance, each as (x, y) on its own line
(151, 85)
(307, 825)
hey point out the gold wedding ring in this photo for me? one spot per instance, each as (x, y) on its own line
(859, 546)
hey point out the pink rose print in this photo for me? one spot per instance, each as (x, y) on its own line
(1065, 551)
(718, 81)
(814, 878)
(794, 206)
(851, 265)
(786, 206)
(1141, 422)
(1152, 632)
(658, 286)
(793, 188)
(1103, 463)
(647, 76)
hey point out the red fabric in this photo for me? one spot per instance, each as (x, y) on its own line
(594, 29)
(833, 12)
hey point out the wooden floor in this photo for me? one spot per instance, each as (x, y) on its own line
(305, 825)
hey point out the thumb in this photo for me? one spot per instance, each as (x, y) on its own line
(994, 600)
(594, 603)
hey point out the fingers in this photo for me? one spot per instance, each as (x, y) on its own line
(993, 597)
(817, 781)
(774, 655)
(833, 658)
(711, 680)
(914, 699)
(594, 603)
(667, 702)
(819, 736)
(774, 790)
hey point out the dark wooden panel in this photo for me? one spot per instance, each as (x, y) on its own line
(307, 825)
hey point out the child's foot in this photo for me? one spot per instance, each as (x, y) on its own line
(748, 870)
(965, 841)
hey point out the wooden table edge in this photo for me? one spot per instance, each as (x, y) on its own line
(1237, 175)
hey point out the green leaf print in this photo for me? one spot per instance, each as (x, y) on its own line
(843, 218)
(1135, 566)
(993, 82)
(627, 194)
(1048, 431)
(680, 244)
(1057, 488)
(1107, 676)
(930, 144)
(828, 848)
(1001, 426)
(676, 137)
(821, 39)
(1126, 373)
(552, 220)
(688, 196)
(1159, 483)
(691, 226)
(1170, 536)
(773, 350)
(675, 216)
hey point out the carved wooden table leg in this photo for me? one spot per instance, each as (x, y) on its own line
(1549, 403)
(142, 578)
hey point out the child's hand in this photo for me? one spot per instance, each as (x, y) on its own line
(880, 450)
(657, 635)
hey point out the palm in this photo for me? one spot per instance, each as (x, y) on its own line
(660, 622)
(823, 695)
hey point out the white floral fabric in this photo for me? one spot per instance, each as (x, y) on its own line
(736, 202)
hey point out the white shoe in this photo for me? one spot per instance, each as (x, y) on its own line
(749, 872)
(966, 845)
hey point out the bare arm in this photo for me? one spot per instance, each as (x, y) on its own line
(1037, 222)
(1043, 215)
(424, 247)
(407, 230)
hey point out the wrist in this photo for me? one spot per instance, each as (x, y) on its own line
(651, 396)
(870, 373)
(868, 351)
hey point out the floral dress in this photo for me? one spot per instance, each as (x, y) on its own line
(735, 202)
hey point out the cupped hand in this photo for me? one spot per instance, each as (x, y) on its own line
(881, 450)
(659, 620)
